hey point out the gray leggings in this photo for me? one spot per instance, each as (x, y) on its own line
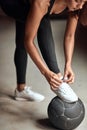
(19, 10)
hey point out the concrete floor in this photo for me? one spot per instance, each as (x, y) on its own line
(16, 115)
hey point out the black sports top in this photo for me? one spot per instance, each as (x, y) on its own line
(61, 15)
(51, 5)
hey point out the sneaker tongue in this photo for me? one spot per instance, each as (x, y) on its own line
(27, 88)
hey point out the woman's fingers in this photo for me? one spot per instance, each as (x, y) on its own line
(55, 81)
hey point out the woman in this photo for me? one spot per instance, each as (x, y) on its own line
(37, 13)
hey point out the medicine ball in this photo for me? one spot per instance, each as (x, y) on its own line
(65, 116)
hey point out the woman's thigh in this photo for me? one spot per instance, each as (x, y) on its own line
(15, 8)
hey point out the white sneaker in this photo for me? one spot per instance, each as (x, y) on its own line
(66, 93)
(28, 94)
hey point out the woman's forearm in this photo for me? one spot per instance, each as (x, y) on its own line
(35, 56)
(69, 38)
(68, 49)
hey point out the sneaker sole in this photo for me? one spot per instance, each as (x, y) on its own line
(20, 99)
(23, 99)
(66, 100)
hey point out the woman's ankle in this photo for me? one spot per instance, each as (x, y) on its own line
(20, 87)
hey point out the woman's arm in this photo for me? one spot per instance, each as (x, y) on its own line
(35, 15)
(38, 10)
(69, 45)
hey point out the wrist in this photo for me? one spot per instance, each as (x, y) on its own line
(44, 71)
(67, 64)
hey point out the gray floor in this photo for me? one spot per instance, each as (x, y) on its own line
(29, 115)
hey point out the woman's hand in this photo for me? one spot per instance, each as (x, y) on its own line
(53, 79)
(69, 75)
